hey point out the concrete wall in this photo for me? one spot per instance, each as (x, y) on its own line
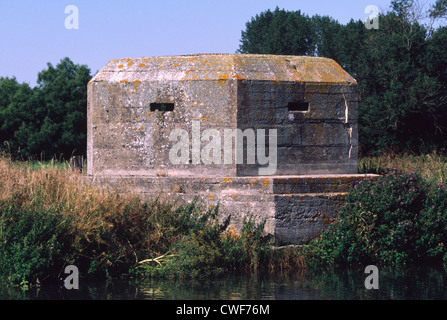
(126, 137)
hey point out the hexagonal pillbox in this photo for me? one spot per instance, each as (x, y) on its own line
(227, 124)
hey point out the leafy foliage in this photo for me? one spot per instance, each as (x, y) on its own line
(50, 119)
(31, 245)
(281, 32)
(212, 250)
(393, 220)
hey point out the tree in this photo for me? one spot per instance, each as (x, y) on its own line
(15, 110)
(63, 111)
(49, 120)
(279, 32)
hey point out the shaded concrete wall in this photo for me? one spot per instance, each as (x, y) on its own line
(321, 140)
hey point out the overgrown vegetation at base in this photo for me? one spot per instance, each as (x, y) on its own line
(432, 167)
(398, 218)
(50, 218)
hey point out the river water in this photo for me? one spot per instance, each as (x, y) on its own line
(423, 283)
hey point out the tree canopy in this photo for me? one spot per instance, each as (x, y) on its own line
(48, 120)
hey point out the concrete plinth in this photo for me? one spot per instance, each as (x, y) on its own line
(295, 208)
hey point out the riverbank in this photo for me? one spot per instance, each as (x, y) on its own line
(51, 218)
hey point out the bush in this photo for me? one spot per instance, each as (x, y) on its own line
(209, 249)
(32, 245)
(396, 219)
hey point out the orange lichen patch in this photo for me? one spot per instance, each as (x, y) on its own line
(108, 89)
(130, 64)
(223, 78)
(191, 117)
(234, 195)
(175, 65)
(265, 182)
(146, 60)
(236, 76)
(136, 84)
(142, 65)
(227, 180)
(211, 196)
(204, 118)
(120, 66)
(124, 80)
(142, 128)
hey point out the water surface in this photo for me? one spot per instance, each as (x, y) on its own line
(423, 283)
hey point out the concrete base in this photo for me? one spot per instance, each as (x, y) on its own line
(295, 208)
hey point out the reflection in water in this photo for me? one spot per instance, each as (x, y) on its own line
(416, 283)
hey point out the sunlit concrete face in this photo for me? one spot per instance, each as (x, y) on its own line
(170, 126)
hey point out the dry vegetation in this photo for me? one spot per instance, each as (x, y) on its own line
(106, 233)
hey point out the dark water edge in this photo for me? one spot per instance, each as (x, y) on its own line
(417, 283)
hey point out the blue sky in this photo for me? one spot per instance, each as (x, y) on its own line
(33, 33)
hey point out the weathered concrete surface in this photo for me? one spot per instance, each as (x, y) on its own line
(295, 208)
(135, 104)
(229, 91)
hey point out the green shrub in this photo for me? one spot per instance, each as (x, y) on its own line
(32, 245)
(209, 249)
(396, 219)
